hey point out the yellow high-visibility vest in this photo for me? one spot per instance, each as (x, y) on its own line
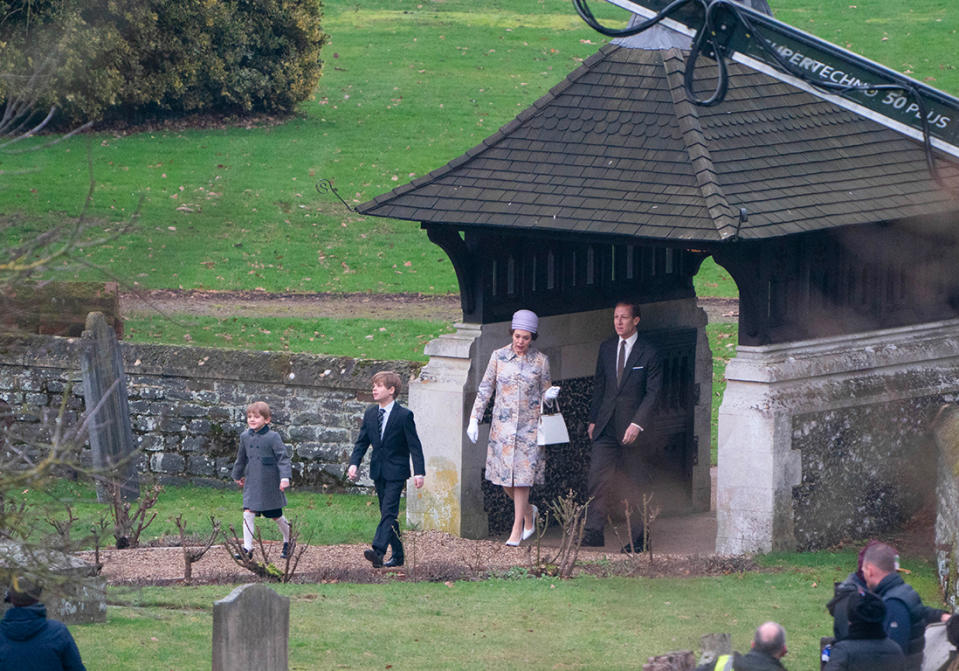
(724, 663)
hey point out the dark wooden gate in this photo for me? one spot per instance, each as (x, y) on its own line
(670, 452)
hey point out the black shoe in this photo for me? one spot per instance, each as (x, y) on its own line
(286, 551)
(394, 562)
(244, 554)
(593, 539)
(374, 557)
(635, 547)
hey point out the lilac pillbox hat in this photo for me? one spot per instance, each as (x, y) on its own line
(525, 320)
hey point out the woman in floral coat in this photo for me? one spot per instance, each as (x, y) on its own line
(520, 376)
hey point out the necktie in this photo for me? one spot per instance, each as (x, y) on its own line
(379, 421)
(621, 362)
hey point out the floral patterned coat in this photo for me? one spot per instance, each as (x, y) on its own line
(513, 458)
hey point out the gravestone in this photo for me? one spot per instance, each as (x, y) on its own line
(72, 591)
(251, 628)
(681, 660)
(108, 410)
(714, 645)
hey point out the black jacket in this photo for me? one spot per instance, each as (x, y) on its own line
(391, 453)
(866, 654)
(28, 640)
(632, 401)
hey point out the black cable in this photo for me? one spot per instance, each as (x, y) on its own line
(325, 186)
(704, 34)
(587, 15)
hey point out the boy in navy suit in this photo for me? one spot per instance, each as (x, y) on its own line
(390, 429)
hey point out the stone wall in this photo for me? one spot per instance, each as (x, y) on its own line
(188, 404)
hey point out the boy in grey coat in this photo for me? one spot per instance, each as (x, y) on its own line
(262, 469)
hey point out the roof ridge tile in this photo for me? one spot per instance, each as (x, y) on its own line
(697, 147)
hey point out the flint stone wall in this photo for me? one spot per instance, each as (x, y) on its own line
(188, 404)
(832, 438)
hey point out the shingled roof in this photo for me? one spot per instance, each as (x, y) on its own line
(618, 148)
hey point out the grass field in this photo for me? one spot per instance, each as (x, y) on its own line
(408, 85)
(584, 623)
(322, 518)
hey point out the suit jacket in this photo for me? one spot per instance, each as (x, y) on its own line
(391, 454)
(633, 400)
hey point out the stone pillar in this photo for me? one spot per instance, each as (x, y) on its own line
(451, 500)
(251, 629)
(946, 430)
(830, 438)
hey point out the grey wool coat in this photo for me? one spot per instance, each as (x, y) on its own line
(263, 459)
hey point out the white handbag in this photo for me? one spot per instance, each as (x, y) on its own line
(552, 428)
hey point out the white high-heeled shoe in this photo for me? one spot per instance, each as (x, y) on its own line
(529, 532)
(513, 544)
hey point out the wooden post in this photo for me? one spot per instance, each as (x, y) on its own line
(105, 394)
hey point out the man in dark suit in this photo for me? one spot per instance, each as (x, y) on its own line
(625, 389)
(390, 429)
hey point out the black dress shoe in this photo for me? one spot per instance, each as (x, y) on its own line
(635, 547)
(394, 562)
(247, 554)
(593, 539)
(374, 557)
(286, 551)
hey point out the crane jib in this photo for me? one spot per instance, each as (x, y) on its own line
(739, 30)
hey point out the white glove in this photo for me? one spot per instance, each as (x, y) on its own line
(551, 393)
(472, 431)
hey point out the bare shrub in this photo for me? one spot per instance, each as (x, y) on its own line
(191, 555)
(129, 521)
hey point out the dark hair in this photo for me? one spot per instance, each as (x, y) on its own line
(532, 336)
(388, 379)
(631, 305)
(770, 638)
(884, 557)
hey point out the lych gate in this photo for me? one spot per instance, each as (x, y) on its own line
(616, 184)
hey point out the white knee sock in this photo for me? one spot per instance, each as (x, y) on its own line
(249, 521)
(284, 525)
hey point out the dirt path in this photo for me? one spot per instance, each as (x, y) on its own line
(357, 306)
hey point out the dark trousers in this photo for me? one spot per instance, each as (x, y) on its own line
(388, 531)
(613, 479)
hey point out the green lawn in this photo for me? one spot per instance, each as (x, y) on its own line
(584, 623)
(408, 85)
(387, 339)
(322, 518)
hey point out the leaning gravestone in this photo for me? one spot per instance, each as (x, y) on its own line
(105, 395)
(251, 628)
